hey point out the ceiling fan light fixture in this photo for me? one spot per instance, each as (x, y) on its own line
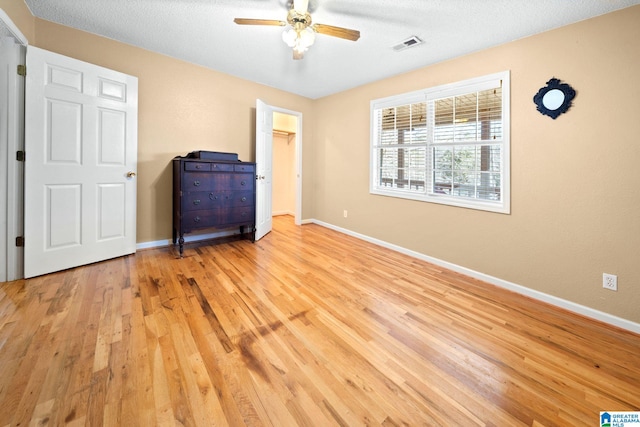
(289, 36)
(299, 39)
(307, 37)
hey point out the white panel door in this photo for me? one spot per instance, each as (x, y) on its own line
(264, 160)
(81, 160)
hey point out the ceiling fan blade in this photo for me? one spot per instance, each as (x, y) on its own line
(247, 21)
(343, 33)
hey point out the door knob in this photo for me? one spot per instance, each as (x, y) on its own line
(131, 174)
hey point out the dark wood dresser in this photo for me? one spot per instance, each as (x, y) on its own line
(213, 190)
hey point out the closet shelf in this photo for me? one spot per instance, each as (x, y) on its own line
(288, 134)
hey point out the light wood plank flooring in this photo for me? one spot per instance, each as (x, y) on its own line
(305, 327)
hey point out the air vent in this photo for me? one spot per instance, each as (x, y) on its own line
(410, 42)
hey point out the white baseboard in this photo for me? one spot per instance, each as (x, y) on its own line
(550, 299)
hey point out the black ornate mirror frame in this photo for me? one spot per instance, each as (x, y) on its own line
(554, 84)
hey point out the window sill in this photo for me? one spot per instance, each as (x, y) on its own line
(488, 206)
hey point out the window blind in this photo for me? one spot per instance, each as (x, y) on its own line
(447, 144)
(402, 144)
(466, 147)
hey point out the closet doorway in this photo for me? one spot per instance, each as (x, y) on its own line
(285, 175)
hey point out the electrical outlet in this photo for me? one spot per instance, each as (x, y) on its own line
(345, 213)
(610, 281)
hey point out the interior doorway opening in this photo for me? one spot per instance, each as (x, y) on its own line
(285, 136)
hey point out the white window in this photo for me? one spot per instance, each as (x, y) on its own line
(448, 144)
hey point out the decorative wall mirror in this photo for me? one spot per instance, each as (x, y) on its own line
(555, 98)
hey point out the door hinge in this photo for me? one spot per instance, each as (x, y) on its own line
(20, 156)
(22, 70)
(20, 241)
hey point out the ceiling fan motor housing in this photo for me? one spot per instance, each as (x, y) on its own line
(298, 20)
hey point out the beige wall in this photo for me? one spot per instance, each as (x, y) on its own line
(20, 14)
(575, 210)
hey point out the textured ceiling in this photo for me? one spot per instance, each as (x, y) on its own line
(203, 32)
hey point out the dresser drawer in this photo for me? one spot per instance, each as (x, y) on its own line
(245, 168)
(239, 198)
(193, 201)
(197, 166)
(242, 181)
(240, 215)
(199, 200)
(214, 167)
(206, 181)
(221, 167)
(222, 217)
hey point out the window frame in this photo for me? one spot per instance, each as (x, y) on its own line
(472, 85)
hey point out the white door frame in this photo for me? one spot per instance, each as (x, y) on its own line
(298, 157)
(11, 141)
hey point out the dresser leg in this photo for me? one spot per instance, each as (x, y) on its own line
(181, 242)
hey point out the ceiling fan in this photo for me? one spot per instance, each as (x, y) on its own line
(300, 33)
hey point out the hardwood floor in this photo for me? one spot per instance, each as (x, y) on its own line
(305, 327)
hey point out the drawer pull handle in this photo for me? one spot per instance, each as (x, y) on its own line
(196, 219)
(243, 182)
(196, 202)
(243, 214)
(212, 197)
(244, 199)
(196, 183)
(198, 166)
